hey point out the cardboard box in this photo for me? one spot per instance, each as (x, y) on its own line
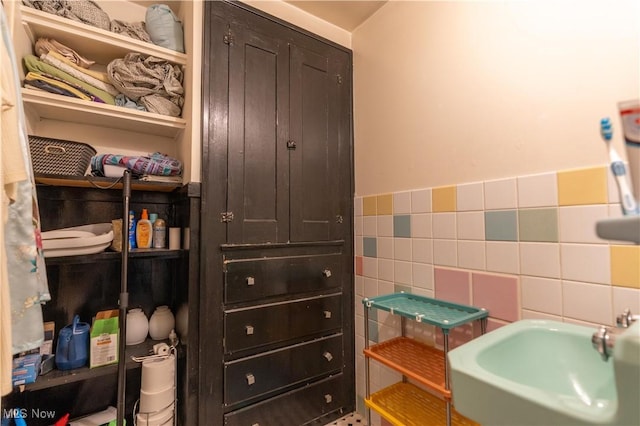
(49, 331)
(25, 369)
(103, 349)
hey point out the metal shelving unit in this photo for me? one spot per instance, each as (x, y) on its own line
(404, 403)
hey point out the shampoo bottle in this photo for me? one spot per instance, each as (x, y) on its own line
(144, 230)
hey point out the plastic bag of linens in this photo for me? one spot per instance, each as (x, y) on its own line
(164, 28)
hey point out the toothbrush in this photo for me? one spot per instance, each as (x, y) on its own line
(627, 202)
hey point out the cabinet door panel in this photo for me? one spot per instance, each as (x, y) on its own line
(257, 158)
(315, 127)
(254, 376)
(268, 324)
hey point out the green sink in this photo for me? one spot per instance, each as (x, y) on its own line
(535, 372)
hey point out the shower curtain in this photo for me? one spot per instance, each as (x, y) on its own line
(23, 278)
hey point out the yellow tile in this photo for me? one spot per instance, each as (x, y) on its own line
(385, 204)
(443, 199)
(584, 186)
(369, 206)
(625, 266)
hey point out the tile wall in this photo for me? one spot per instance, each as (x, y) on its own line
(522, 247)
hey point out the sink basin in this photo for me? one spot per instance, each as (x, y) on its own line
(536, 372)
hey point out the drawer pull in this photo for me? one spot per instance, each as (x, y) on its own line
(326, 273)
(327, 314)
(327, 355)
(328, 398)
(250, 379)
(249, 329)
(250, 280)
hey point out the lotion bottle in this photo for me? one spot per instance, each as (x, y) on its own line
(144, 230)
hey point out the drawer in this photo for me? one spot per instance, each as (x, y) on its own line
(253, 279)
(295, 407)
(249, 328)
(258, 375)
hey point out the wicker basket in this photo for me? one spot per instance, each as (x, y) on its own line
(59, 157)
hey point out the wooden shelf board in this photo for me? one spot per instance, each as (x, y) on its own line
(413, 359)
(104, 183)
(64, 108)
(91, 42)
(60, 377)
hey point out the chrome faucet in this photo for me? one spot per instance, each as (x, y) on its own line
(604, 339)
(626, 319)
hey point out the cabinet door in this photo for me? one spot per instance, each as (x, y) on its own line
(258, 171)
(318, 92)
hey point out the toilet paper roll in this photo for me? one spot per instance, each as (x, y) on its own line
(174, 238)
(161, 349)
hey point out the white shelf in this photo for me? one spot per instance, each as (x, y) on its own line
(93, 43)
(620, 229)
(64, 108)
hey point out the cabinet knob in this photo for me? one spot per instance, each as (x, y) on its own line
(327, 355)
(328, 398)
(327, 314)
(250, 280)
(291, 144)
(248, 329)
(326, 273)
(250, 379)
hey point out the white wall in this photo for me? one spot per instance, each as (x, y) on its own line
(450, 92)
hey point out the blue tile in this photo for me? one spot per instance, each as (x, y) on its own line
(501, 225)
(370, 247)
(402, 226)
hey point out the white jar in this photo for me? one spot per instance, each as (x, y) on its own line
(137, 326)
(161, 323)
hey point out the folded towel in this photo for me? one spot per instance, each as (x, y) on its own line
(52, 84)
(157, 164)
(36, 65)
(45, 45)
(77, 73)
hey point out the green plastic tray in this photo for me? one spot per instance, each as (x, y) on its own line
(445, 315)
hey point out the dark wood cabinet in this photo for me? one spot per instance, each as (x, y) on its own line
(277, 222)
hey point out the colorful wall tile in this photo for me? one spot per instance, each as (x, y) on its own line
(538, 225)
(625, 266)
(384, 204)
(583, 186)
(443, 199)
(501, 225)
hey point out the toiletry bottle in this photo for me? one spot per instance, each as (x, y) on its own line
(132, 230)
(144, 230)
(159, 233)
(152, 218)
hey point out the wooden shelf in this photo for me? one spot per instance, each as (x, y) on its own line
(64, 108)
(91, 42)
(104, 183)
(404, 404)
(413, 359)
(63, 377)
(111, 256)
